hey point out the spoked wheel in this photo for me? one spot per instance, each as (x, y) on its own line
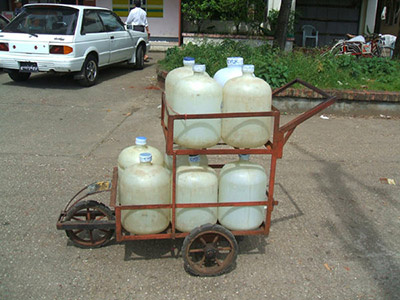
(209, 250)
(89, 212)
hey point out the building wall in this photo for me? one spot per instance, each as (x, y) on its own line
(333, 19)
(390, 17)
(368, 15)
(165, 27)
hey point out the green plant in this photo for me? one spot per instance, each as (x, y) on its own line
(197, 11)
(277, 68)
(273, 21)
(232, 10)
(255, 15)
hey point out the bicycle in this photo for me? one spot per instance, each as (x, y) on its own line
(359, 46)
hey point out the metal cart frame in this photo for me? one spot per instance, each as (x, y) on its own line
(81, 215)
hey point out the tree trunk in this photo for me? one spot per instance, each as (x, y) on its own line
(282, 26)
(396, 51)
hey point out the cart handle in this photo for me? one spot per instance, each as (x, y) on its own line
(93, 188)
(291, 125)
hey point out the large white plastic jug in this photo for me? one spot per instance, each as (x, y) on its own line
(143, 184)
(197, 94)
(195, 184)
(242, 181)
(173, 77)
(130, 155)
(233, 69)
(246, 94)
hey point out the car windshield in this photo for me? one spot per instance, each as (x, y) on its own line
(45, 20)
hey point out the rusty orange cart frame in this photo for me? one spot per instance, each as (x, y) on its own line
(210, 249)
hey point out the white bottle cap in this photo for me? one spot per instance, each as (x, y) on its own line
(188, 61)
(141, 140)
(234, 61)
(194, 158)
(244, 156)
(248, 68)
(145, 157)
(199, 68)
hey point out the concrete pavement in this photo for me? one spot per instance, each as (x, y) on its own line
(335, 232)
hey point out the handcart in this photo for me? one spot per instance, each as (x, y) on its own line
(210, 249)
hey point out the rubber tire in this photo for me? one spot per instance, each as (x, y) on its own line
(19, 76)
(89, 71)
(89, 204)
(336, 50)
(203, 229)
(139, 65)
(377, 52)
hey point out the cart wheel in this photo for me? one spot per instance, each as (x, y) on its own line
(89, 211)
(209, 250)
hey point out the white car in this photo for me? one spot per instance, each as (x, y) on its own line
(69, 39)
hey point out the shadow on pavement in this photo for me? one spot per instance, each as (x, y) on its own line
(362, 241)
(65, 81)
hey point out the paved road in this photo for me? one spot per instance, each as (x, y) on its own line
(335, 233)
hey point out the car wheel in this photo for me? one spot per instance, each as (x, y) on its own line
(19, 76)
(139, 58)
(89, 71)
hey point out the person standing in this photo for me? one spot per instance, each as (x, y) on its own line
(18, 7)
(138, 19)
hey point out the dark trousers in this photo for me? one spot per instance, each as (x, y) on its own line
(138, 28)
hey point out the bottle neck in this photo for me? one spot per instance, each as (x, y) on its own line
(248, 74)
(198, 73)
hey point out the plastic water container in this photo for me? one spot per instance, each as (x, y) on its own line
(142, 184)
(197, 94)
(246, 94)
(195, 184)
(130, 156)
(174, 76)
(182, 160)
(233, 69)
(242, 181)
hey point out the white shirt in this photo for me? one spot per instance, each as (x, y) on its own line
(137, 16)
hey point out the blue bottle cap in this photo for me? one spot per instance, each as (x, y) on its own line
(199, 68)
(194, 158)
(145, 157)
(141, 140)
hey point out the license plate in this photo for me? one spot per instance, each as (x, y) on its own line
(28, 67)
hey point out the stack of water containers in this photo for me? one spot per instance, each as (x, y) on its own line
(145, 176)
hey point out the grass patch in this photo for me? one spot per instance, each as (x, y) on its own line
(338, 72)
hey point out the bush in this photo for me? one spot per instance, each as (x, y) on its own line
(277, 68)
(250, 12)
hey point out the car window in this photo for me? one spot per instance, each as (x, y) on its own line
(91, 22)
(45, 20)
(3, 23)
(111, 22)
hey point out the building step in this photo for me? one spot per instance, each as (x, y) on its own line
(162, 46)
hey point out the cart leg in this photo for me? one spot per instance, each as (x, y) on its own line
(270, 206)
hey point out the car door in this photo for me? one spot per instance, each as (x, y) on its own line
(94, 36)
(122, 45)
